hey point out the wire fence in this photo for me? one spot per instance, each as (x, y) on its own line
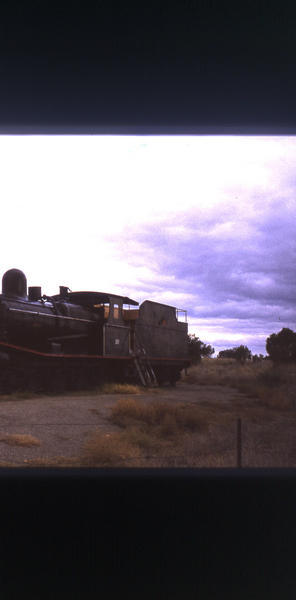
(141, 456)
(239, 447)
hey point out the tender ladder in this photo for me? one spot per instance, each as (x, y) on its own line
(144, 368)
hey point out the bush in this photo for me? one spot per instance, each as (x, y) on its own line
(197, 349)
(239, 353)
(281, 346)
(177, 418)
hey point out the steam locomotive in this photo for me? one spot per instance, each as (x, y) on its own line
(80, 339)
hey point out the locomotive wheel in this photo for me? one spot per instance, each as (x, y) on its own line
(160, 380)
(20, 380)
(6, 380)
(161, 374)
(58, 383)
(174, 377)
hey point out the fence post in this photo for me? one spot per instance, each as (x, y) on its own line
(239, 443)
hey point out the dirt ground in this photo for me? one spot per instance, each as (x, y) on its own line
(60, 425)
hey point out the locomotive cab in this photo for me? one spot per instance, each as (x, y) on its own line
(118, 339)
(114, 336)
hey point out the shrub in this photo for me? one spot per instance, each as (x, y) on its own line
(239, 353)
(281, 346)
(168, 417)
(197, 349)
(107, 450)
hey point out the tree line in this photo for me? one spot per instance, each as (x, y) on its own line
(280, 347)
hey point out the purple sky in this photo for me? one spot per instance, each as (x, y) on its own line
(236, 279)
(202, 223)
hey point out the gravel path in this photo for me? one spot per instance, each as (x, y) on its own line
(61, 424)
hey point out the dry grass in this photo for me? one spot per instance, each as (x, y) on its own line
(20, 439)
(162, 416)
(274, 386)
(196, 427)
(151, 433)
(120, 388)
(17, 396)
(202, 433)
(107, 388)
(224, 372)
(107, 450)
(55, 462)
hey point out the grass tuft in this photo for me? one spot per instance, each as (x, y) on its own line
(149, 431)
(20, 439)
(107, 450)
(180, 417)
(120, 388)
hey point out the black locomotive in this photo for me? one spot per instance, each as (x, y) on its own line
(79, 339)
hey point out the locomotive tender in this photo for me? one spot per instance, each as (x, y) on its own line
(79, 339)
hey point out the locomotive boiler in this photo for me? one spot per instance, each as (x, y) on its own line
(80, 339)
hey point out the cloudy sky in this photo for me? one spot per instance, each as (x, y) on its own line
(204, 223)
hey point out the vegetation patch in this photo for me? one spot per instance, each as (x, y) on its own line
(203, 433)
(107, 388)
(197, 428)
(159, 415)
(107, 450)
(153, 431)
(273, 385)
(25, 395)
(20, 439)
(56, 461)
(120, 388)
